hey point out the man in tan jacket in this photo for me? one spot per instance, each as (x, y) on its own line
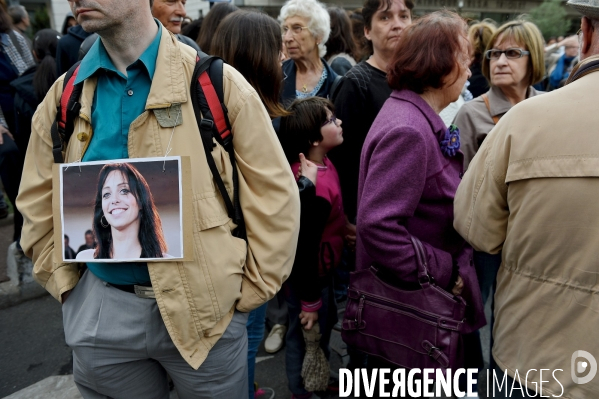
(189, 319)
(532, 191)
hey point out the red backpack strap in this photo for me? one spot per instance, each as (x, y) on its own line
(67, 110)
(211, 114)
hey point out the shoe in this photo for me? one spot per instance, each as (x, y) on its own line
(306, 396)
(275, 340)
(264, 393)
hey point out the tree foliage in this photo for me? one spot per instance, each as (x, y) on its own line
(551, 18)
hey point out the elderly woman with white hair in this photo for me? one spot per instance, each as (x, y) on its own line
(305, 25)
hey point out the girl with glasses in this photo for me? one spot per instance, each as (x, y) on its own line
(312, 129)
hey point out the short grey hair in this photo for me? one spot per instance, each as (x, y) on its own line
(17, 13)
(319, 21)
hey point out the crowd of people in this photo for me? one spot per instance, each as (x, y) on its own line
(356, 135)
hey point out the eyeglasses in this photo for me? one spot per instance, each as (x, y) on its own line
(332, 119)
(510, 53)
(295, 29)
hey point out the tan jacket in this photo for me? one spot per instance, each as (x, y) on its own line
(196, 298)
(532, 190)
(475, 121)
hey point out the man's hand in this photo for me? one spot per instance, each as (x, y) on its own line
(308, 319)
(65, 295)
(4, 131)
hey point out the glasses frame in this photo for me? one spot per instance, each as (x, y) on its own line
(285, 29)
(332, 119)
(522, 53)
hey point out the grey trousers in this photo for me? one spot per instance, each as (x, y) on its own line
(121, 349)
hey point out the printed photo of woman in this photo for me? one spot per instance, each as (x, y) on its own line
(126, 222)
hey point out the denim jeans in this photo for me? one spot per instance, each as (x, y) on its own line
(255, 328)
(296, 348)
(487, 266)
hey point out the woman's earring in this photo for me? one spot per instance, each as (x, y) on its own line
(102, 219)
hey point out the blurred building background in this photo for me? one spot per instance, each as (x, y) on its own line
(51, 13)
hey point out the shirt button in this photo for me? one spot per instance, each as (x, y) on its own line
(130, 92)
(82, 136)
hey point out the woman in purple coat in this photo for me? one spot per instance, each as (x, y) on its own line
(411, 167)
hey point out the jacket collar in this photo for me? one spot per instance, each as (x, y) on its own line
(169, 85)
(289, 74)
(97, 58)
(434, 120)
(498, 102)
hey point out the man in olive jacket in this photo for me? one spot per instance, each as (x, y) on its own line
(190, 321)
(531, 192)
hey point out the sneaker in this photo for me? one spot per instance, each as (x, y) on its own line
(275, 340)
(264, 393)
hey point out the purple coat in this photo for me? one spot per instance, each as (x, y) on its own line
(406, 188)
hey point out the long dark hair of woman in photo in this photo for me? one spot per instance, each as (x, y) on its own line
(150, 234)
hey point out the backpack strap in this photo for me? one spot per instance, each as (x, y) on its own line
(66, 112)
(211, 114)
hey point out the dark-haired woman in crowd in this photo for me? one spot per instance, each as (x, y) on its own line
(364, 90)
(340, 46)
(251, 42)
(211, 22)
(31, 87)
(126, 223)
(410, 170)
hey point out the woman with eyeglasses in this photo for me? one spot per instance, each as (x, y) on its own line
(513, 62)
(305, 26)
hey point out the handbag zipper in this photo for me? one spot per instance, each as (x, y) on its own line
(380, 301)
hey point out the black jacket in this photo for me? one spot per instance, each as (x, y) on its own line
(289, 72)
(25, 104)
(67, 51)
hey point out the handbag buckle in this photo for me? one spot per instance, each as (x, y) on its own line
(430, 351)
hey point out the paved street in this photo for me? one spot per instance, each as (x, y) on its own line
(32, 348)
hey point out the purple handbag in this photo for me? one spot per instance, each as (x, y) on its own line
(412, 328)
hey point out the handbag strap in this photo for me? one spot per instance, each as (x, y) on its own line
(423, 277)
(15, 42)
(486, 100)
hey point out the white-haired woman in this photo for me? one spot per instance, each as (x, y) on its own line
(305, 25)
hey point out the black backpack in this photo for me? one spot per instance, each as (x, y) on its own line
(210, 112)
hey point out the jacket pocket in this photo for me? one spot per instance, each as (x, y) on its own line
(215, 277)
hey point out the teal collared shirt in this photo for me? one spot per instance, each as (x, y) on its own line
(118, 101)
